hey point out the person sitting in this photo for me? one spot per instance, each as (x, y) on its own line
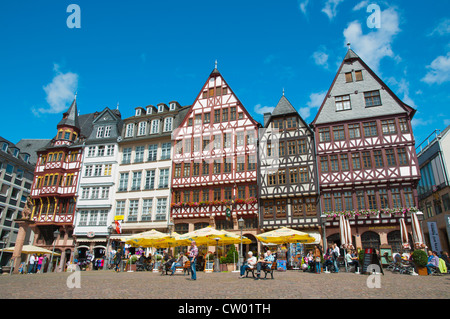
(265, 263)
(250, 264)
(433, 261)
(352, 260)
(179, 263)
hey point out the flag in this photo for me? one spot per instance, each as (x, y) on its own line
(118, 226)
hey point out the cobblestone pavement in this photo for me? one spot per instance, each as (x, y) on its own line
(286, 285)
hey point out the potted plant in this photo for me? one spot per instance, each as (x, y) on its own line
(420, 259)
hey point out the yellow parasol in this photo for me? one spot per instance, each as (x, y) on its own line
(30, 249)
(285, 235)
(146, 239)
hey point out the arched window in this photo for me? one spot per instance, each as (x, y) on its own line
(370, 240)
(395, 240)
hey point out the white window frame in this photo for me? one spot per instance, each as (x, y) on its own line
(130, 130)
(168, 124)
(142, 130)
(155, 126)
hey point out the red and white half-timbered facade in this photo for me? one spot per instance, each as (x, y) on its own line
(215, 162)
(367, 164)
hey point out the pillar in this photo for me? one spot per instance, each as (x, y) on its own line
(20, 239)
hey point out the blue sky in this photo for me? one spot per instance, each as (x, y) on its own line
(137, 53)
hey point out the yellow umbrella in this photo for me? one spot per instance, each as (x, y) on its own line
(146, 239)
(204, 236)
(30, 249)
(171, 241)
(285, 235)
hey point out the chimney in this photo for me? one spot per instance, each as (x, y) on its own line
(266, 118)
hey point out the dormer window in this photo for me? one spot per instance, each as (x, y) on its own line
(5, 147)
(67, 135)
(149, 110)
(172, 106)
(138, 112)
(26, 158)
(155, 127)
(142, 128)
(168, 124)
(130, 130)
(16, 153)
(100, 131)
(160, 108)
(107, 131)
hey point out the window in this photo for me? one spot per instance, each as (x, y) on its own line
(390, 157)
(136, 181)
(5, 147)
(251, 162)
(291, 122)
(344, 162)
(147, 210)
(354, 131)
(216, 116)
(187, 145)
(93, 216)
(152, 152)
(396, 202)
(206, 118)
(138, 112)
(107, 131)
(130, 130)
(217, 194)
(324, 134)
(196, 169)
(232, 113)
(133, 210)
(217, 141)
(205, 195)
(110, 150)
(205, 143)
(356, 161)
(378, 157)
(95, 192)
(281, 149)
(160, 108)
(142, 129)
(367, 160)
(348, 77)
(402, 157)
(302, 148)
(205, 168)
(280, 208)
(404, 128)
(338, 133)
(98, 170)
(225, 115)
(334, 163)
(384, 199)
(227, 140)
(370, 129)
(103, 217)
(120, 208)
(409, 198)
(165, 151)
(19, 173)
(164, 178)
(337, 201)
(83, 218)
(292, 147)
(268, 209)
(155, 127)
(197, 144)
(327, 202)
(177, 171)
(123, 182)
(139, 157)
(281, 177)
(240, 163)
(272, 180)
(348, 201)
(240, 138)
(101, 150)
(217, 167)
(252, 190)
(358, 75)
(105, 193)
(371, 199)
(241, 192)
(173, 106)
(228, 165)
(224, 90)
(388, 127)
(126, 156)
(303, 173)
(342, 103)
(372, 98)
(100, 131)
(198, 119)
(360, 199)
(324, 164)
(91, 152)
(297, 207)
(187, 170)
(228, 193)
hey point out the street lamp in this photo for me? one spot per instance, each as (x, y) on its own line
(323, 219)
(216, 264)
(55, 235)
(170, 226)
(241, 224)
(109, 229)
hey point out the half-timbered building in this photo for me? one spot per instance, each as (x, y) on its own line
(214, 179)
(367, 163)
(288, 179)
(54, 189)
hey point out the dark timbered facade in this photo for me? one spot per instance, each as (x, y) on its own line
(288, 179)
(367, 164)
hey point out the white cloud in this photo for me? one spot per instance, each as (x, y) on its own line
(416, 122)
(315, 100)
(302, 5)
(439, 70)
(330, 8)
(60, 92)
(377, 44)
(320, 58)
(403, 88)
(259, 109)
(361, 5)
(447, 121)
(442, 28)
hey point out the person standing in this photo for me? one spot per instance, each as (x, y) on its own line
(318, 258)
(117, 261)
(335, 255)
(39, 264)
(193, 253)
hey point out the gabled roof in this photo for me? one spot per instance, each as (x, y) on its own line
(70, 117)
(283, 107)
(349, 58)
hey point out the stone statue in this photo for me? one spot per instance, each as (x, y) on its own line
(26, 213)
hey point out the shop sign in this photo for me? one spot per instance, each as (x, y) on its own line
(119, 217)
(434, 237)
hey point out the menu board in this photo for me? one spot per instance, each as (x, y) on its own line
(367, 259)
(209, 266)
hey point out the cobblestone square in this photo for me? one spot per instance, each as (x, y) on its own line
(226, 285)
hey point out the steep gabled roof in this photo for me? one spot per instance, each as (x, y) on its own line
(350, 58)
(70, 117)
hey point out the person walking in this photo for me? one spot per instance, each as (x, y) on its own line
(39, 264)
(33, 261)
(193, 253)
(117, 260)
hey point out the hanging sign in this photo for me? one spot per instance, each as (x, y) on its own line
(434, 237)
